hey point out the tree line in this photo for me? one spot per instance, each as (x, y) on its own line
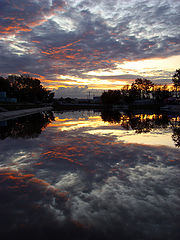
(25, 89)
(141, 88)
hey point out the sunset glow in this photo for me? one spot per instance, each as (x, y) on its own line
(76, 45)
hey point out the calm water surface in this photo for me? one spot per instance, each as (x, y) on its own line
(87, 175)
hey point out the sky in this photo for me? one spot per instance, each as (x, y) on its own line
(79, 46)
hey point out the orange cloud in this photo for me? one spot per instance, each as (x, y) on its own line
(35, 41)
(14, 28)
(23, 24)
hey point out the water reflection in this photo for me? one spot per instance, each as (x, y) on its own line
(176, 136)
(26, 127)
(144, 123)
(71, 182)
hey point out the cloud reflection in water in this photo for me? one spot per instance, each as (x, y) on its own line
(86, 185)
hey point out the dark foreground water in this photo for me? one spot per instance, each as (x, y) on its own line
(90, 175)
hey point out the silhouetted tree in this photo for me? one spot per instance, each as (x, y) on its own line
(4, 84)
(141, 86)
(176, 80)
(111, 97)
(29, 89)
(161, 93)
(127, 94)
(134, 94)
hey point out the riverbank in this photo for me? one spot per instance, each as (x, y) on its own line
(23, 112)
(20, 106)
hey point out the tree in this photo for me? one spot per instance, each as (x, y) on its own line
(161, 93)
(111, 97)
(176, 80)
(141, 86)
(29, 89)
(4, 85)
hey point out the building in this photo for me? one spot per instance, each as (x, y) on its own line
(4, 98)
(97, 99)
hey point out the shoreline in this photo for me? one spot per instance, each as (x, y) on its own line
(21, 113)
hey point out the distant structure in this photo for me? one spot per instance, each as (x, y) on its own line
(97, 99)
(4, 98)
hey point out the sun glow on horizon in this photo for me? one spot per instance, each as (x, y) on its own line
(167, 64)
(93, 83)
(141, 66)
(155, 69)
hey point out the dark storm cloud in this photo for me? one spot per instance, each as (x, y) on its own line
(49, 37)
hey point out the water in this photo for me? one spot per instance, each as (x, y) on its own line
(86, 175)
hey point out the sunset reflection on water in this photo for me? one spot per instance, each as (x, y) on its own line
(91, 175)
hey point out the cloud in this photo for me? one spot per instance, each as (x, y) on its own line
(76, 92)
(20, 16)
(103, 187)
(53, 37)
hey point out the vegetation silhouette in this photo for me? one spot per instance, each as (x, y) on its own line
(25, 89)
(141, 88)
(161, 93)
(4, 85)
(176, 80)
(111, 97)
(26, 127)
